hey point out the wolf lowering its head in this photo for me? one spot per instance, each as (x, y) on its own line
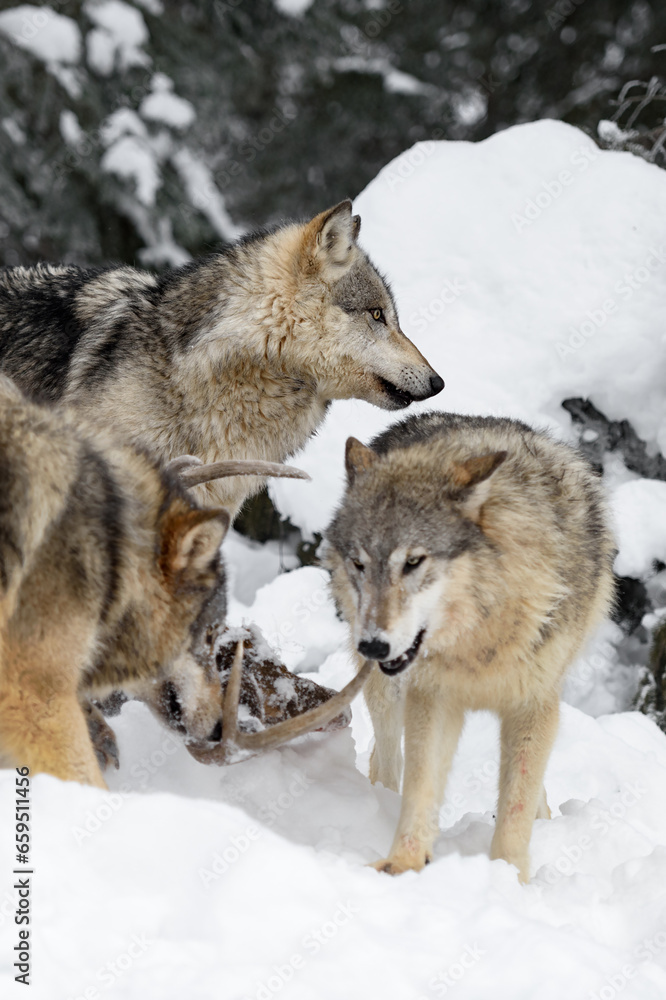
(235, 355)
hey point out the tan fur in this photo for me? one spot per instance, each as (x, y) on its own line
(237, 355)
(515, 573)
(105, 564)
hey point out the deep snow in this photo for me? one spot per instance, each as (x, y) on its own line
(249, 881)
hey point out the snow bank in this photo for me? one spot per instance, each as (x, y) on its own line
(248, 882)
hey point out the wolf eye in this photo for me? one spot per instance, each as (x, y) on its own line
(378, 315)
(359, 565)
(412, 563)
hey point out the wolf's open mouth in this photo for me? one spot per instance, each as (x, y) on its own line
(399, 396)
(402, 662)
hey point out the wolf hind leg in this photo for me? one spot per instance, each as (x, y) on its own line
(385, 702)
(432, 731)
(527, 737)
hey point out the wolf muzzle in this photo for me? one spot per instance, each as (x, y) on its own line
(377, 649)
(403, 397)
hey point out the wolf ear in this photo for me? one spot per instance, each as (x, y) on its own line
(329, 240)
(356, 226)
(358, 458)
(190, 540)
(474, 476)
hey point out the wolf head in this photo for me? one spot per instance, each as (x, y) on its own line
(346, 332)
(181, 589)
(402, 547)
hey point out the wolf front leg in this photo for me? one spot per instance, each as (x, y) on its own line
(42, 725)
(48, 736)
(432, 731)
(101, 735)
(527, 738)
(385, 700)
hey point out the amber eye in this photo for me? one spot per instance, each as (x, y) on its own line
(359, 565)
(412, 563)
(378, 315)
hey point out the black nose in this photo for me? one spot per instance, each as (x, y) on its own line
(216, 734)
(375, 649)
(436, 384)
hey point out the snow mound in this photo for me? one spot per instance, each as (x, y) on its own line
(527, 268)
(249, 881)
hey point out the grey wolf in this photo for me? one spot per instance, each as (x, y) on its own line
(110, 577)
(235, 355)
(472, 558)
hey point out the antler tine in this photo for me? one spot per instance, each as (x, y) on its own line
(191, 474)
(178, 465)
(282, 732)
(230, 734)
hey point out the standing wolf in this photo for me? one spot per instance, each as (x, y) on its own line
(236, 355)
(472, 558)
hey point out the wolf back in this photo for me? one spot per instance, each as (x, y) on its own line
(235, 355)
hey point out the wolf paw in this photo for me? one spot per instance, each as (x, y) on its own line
(106, 751)
(102, 737)
(396, 866)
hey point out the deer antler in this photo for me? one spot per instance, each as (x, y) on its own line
(282, 732)
(191, 471)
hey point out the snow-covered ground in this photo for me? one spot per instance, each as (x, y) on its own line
(527, 268)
